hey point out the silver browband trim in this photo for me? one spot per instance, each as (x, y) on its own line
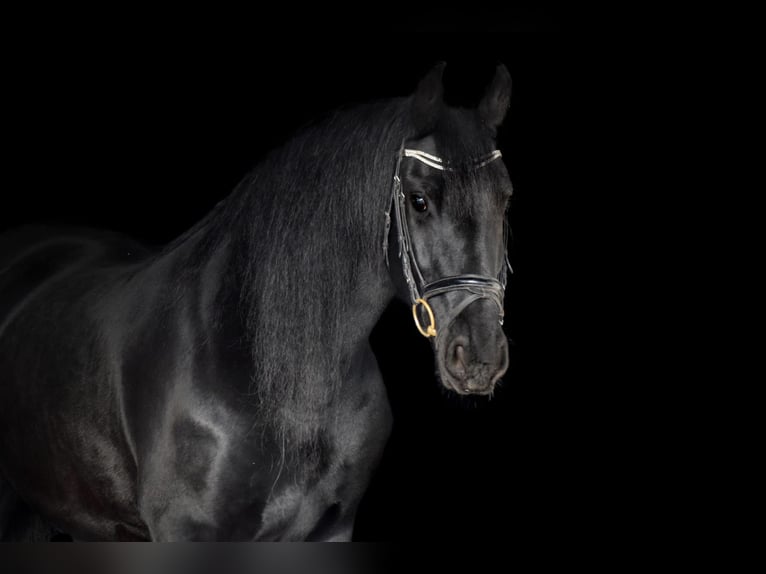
(438, 163)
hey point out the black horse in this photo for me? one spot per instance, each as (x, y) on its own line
(224, 388)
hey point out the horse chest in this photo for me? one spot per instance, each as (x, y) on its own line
(323, 508)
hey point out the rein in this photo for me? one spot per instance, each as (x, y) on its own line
(476, 286)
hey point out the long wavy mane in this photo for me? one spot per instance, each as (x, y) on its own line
(303, 223)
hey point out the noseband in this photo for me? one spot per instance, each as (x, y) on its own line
(476, 286)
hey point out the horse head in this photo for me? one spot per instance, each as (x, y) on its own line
(447, 230)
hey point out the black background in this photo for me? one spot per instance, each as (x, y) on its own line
(141, 123)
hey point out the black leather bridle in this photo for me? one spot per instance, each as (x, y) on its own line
(477, 286)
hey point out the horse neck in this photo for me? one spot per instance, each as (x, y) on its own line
(205, 274)
(291, 264)
(189, 277)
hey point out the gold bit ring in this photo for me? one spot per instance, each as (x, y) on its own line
(430, 331)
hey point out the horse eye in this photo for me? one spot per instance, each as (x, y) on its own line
(419, 203)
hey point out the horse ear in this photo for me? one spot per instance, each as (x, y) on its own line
(428, 99)
(497, 98)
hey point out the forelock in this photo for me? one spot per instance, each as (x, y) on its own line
(462, 139)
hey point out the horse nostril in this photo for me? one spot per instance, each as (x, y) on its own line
(460, 355)
(504, 360)
(456, 358)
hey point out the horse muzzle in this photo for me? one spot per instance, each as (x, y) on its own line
(473, 356)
